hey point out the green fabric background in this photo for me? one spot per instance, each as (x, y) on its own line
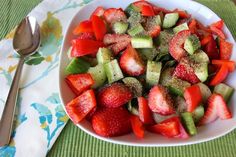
(75, 143)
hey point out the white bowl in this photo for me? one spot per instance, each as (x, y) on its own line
(205, 133)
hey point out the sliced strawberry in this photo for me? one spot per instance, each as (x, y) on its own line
(193, 26)
(152, 28)
(160, 101)
(86, 36)
(79, 82)
(216, 108)
(83, 27)
(226, 49)
(182, 13)
(137, 126)
(117, 42)
(159, 10)
(183, 133)
(111, 122)
(166, 128)
(115, 95)
(113, 15)
(206, 39)
(211, 48)
(91, 113)
(184, 71)
(79, 107)
(99, 11)
(193, 97)
(142, 3)
(176, 44)
(145, 114)
(131, 63)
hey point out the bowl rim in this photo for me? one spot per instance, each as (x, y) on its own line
(111, 140)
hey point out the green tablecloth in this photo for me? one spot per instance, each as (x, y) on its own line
(74, 142)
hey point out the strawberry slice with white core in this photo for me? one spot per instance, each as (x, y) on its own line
(216, 108)
(176, 44)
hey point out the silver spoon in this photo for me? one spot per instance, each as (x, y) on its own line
(25, 42)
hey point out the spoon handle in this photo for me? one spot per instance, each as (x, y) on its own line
(6, 122)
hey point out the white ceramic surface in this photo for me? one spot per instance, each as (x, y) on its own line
(205, 133)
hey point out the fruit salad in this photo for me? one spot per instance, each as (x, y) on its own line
(148, 69)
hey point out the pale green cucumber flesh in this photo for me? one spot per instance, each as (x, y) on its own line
(201, 71)
(142, 42)
(120, 27)
(134, 85)
(76, 66)
(198, 113)
(153, 72)
(170, 20)
(192, 44)
(148, 53)
(205, 91)
(225, 90)
(177, 86)
(98, 74)
(104, 55)
(188, 122)
(183, 26)
(136, 30)
(113, 71)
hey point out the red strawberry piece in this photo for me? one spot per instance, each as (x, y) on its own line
(147, 10)
(140, 4)
(193, 97)
(226, 49)
(176, 44)
(216, 108)
(131, 63)
(86, 35)
(184, 71)
(137, 126)
(219, 24)
(168, 128)
(110, 122)
(117, 42)
(182, 13)
(115, 95)
(79, 82)
(160, 101)
(220, 75)
(152, 28)
(113, 15)
(211, 49)
(79, 107)
(99, 11)
(145, 114)
(99, 27)
(84, 26)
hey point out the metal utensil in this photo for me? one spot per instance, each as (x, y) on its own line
(25, 42)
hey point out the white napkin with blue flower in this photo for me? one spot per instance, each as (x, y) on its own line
(40, 116)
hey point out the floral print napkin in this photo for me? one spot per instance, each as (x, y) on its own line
(40, 116)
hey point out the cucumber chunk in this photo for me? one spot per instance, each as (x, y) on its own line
(181, 105)
(98, 74)
(200, 57)
(201, 71)
(104, 55)
(177, 86)
(198, 113)
(134, 85)
(136, 30)
(148, 53)
(169, 64)
(135, 19)
(113, 71)
(166, 76)
(170, 20)
(132, 106)
(120, 27)
(76, 66)
(142, 42)
(162, 41)
(225, 90)
(131, 9)
(192, 44)
(205, 91)
(189, 123)
(153, 72)
(183, 26)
